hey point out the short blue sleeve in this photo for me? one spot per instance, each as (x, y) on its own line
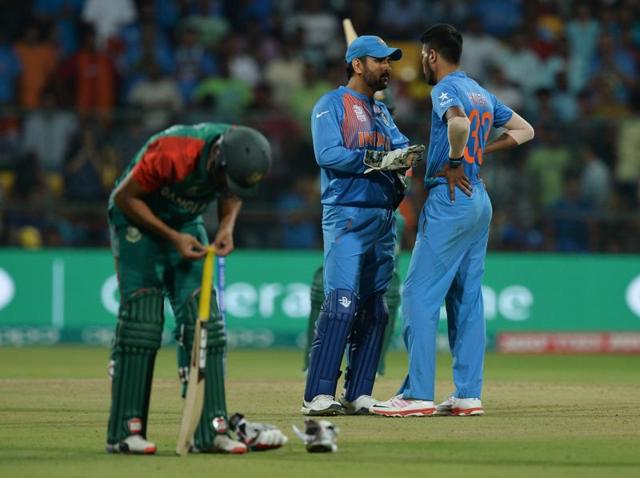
(501, 112)
(443, 97)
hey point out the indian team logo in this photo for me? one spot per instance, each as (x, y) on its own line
(133, 234)
(360, 114)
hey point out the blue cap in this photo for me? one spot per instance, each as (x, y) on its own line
(369, 45)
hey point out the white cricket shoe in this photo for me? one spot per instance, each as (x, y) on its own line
(401, 407)
(133, 444)
(224, 444)
(460, 407)
(360, 406)
(322, 405)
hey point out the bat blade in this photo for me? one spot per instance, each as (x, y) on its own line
(349, 32)
(194, 400)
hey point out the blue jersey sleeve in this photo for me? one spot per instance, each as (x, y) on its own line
(328, 143)
(501, 112)
(443, 97)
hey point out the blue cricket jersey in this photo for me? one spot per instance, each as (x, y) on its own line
(482, 108)
(344, 124)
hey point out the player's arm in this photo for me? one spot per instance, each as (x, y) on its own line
(328, 143)
(228, 210)
(129, 197)
(458, 127)
(519, 131)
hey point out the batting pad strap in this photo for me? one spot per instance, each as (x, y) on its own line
(365, 346)
(330, 338)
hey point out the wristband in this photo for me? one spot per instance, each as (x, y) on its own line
(455, 162)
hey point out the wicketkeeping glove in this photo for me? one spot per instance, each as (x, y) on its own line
(398, 159)
(257, 436)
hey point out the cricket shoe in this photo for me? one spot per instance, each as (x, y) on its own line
(133, 444)
(360, 406)
(322, 405)
(401, 407)
(460, 407)
(222, 443)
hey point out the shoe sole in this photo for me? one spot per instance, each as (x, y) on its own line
(114, 449)
(327, 412)
(467, 412)
(425, 412)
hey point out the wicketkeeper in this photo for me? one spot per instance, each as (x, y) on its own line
(391, 298)
(158, 237)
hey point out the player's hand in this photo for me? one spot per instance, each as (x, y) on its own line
(455, 178)
(224, 242)
(189, 247)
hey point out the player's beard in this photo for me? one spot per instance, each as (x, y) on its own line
(375, 82)
(430, 74)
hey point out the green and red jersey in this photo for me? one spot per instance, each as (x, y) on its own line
(171, 167)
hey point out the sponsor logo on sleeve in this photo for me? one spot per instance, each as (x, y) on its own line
(444, 99)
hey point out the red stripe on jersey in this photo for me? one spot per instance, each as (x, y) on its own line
(351, 124)
(169, 159)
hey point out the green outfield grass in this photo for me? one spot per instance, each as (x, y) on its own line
(569, 416)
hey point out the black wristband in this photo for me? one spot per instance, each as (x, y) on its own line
(455, 162)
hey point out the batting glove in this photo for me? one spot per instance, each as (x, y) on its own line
(257, 436)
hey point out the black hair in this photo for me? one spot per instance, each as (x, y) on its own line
(446, 40)
(350, 70)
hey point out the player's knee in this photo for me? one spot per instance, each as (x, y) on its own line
(140, 320)
(341, 303)
(186, 321)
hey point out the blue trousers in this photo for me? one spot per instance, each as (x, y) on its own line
(358, 265)
(447, 265)
(359, 246)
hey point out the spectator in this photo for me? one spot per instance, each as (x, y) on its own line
(93, 75)
(39, 59)
(480, 52)
(193, 63)
(299, 214)
(400, 18)
(48, 132)
(595, 180)
(547, 163)
(284, 73)
(84, 168)
(158, 98)
(569, 218)
(108, 17)
(10, 68)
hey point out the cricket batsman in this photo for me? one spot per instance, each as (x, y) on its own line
(158, 238)
(363, 157)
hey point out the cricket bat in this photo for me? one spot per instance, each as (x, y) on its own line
(194, 400)
(349, 31)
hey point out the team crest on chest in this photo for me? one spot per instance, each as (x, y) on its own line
(133, 234)
(360, 113)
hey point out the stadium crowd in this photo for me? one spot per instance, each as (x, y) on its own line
(83, 83)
